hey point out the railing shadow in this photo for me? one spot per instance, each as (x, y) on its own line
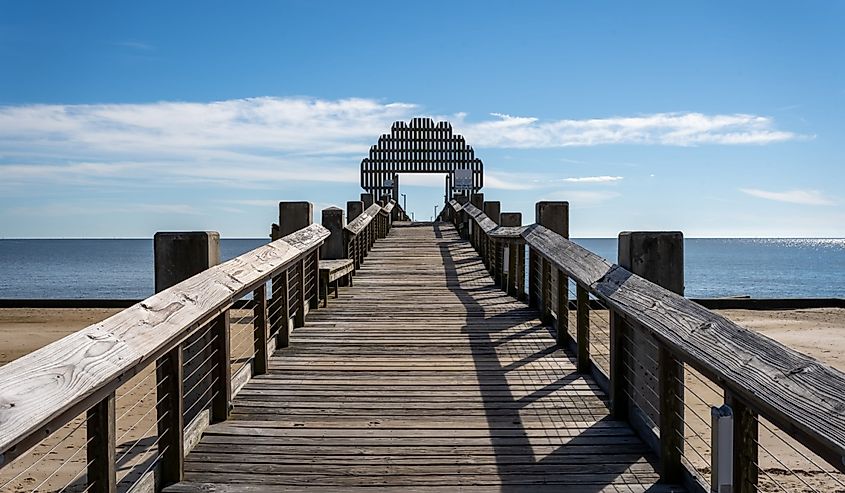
(599, 451)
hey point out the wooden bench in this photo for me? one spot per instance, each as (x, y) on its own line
(331, 272)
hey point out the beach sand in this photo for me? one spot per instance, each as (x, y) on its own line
(817, 332)
(59, 461)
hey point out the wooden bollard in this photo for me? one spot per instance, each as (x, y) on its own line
(477, 199)
(554, 216)
(354, 208)
(659, 258)
(334, 247)
(493, 209)
(293, 216)
(367, 199)
(179, 256)
(514, 282)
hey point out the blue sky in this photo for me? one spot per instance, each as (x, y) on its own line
(119, 119)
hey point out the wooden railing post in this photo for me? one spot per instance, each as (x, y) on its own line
(745, 448)
(659, 258)
(516, 258)
(261, 330)
(100, 426)
(299, 318)
(554, 216)
(582, 330)
(179, 256)
(334, 247)
(294, 216)
(476, 199)
(314, 299)
(492, 210)
(354, 208)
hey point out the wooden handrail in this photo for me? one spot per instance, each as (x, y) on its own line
(802, 396)
(45, 389)
(359, 223)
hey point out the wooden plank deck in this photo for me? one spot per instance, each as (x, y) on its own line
(423, 376)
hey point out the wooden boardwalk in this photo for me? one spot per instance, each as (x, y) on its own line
(423, 376)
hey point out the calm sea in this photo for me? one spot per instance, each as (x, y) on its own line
(761, 268)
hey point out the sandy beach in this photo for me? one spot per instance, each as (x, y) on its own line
(817, 332)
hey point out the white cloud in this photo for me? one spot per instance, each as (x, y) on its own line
(592, 179)
(675, 129)
(582, 197)
(805, 197)
(267, 141)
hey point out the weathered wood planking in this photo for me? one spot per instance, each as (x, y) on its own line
(801, 395)
(43, 390)
(423, 376)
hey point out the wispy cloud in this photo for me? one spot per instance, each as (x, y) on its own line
(804, 197)
(265, 141)
(592, 179)
(75, 209)
(583, 197)
(674, 129)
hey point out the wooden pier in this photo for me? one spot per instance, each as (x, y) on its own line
(371, 353)
(423, 375)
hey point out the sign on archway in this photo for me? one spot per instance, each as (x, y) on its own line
(421, 147)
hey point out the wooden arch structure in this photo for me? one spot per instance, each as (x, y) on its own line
(420, 146)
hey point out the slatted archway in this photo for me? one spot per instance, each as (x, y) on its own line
(420, 146)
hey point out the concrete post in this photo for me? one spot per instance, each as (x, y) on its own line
(334, 247)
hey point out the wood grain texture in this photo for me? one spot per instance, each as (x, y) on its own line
(46, 388)
(802, 396)
(423, 376)
(358, 224)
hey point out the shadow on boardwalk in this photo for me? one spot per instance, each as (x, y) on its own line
(423, 376)
(587, 458)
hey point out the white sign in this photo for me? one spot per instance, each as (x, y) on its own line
(463, 179)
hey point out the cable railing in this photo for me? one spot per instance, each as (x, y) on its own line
(724, 408)
(117, 406)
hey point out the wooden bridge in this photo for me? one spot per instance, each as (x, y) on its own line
(468, 354)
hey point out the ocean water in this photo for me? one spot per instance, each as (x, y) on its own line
(123, 269)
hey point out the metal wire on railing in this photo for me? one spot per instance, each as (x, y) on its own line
(62, 446)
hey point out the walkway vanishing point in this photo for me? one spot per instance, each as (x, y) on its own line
(422, 375)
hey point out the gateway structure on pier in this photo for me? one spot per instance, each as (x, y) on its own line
(421, 146)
